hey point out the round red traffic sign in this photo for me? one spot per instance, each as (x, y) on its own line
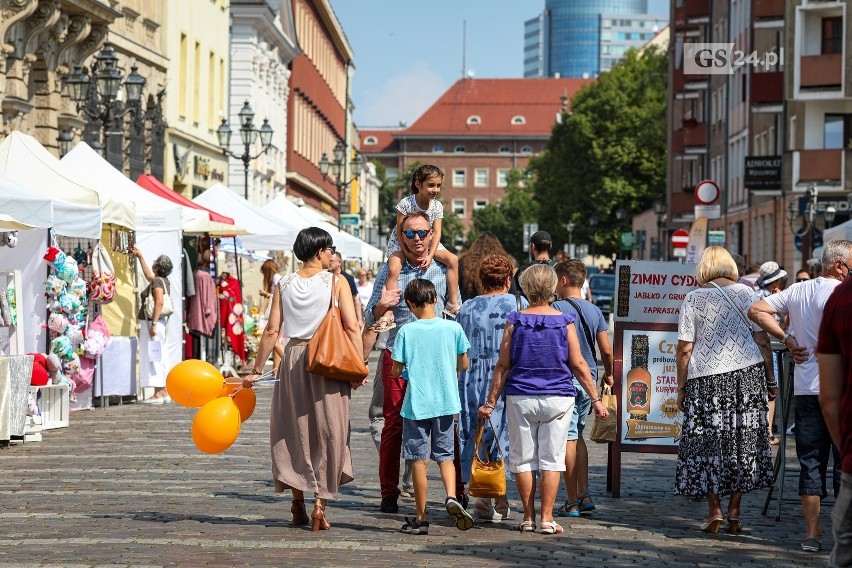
(680, 239)
(707, 192)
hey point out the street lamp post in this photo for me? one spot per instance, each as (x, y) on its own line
(569, 226)
(64, 140)
(660, 212)
(337, 167)
(103, 103)
(620, 215)
(248, 136)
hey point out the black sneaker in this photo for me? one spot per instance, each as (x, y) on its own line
(413, 526)
(464, 500)
(389, 504)
(461, 517)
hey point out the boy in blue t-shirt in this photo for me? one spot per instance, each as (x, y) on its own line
(429, 353)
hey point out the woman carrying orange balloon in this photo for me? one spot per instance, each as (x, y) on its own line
(309, 426)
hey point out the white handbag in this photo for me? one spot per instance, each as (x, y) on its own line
(168, 306)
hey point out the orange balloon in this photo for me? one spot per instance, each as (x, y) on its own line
(194, 383)
(245, 401)
(216, 425)
(231, 386)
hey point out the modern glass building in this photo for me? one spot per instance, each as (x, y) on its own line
(569, 36)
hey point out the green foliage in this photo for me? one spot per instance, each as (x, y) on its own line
(610, 151)
(506, 218)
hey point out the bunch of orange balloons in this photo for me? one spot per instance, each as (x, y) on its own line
(224, 403)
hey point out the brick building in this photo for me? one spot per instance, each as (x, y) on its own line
(476, 132)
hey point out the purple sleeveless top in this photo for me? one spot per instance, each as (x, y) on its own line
(539, 355)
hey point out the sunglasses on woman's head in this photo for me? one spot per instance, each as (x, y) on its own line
(409, 234)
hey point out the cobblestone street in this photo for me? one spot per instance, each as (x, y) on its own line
(125, 486)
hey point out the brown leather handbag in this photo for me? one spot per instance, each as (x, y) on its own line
(487, 478)
(330, 353)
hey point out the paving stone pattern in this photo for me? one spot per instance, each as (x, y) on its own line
(125, 486)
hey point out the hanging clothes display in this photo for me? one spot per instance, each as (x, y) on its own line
(231, 314)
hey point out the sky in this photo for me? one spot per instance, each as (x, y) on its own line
(409, 52)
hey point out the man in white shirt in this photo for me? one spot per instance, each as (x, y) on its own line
(804, 303)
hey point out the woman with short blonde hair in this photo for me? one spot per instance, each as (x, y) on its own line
(724, 379)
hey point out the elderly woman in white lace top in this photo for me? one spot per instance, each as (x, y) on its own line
(725, 379)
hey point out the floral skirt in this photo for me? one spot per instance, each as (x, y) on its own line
(724, 447)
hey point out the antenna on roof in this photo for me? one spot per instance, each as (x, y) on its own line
(464, 47)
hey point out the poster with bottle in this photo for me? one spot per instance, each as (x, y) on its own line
(649, 394)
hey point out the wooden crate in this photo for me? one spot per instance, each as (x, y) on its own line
(53, 403)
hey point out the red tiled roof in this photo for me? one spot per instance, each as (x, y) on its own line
(384, 139)
(496, 102)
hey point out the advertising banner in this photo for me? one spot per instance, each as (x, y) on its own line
(652, 292)
(649, 396)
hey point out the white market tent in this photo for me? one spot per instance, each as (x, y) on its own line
(349, 245)
(152, 213)
(29, 206)
(270, 233)
(26, 161)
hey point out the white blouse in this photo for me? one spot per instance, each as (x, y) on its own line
(305, 302)
(722, 341)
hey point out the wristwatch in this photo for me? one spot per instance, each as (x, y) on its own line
(787, 336)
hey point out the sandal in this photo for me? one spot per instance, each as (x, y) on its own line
(566, 509)
(451, 310)
(526, 526)
(551, 527)
(383, 325)
(773, 441)
(300, 515)
(589, 505)
(502, 509)
(318, 522)
(734, 526)
(711, 525)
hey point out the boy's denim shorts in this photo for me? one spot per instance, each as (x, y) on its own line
(416, 436)
(582, 404)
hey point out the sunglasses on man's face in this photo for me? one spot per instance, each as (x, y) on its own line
(409, 234)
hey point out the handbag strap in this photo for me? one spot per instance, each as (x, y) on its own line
(478, 442)
(518, 302)
(733, 305)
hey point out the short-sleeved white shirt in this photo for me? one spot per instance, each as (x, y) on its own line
(722, 342)
(804, 303)
(409, 205)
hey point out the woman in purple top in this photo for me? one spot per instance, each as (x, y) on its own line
(539, 356)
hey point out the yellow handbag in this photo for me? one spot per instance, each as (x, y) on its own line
(487, 478)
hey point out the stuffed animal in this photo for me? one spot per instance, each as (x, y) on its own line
(12, 300)
(69, 303)
(76, 336)
(61, 347)
(78, 288)
(54, 257)
(53, 286)
(57, 323)
(72, 366)
(54, 369)
(39, 376)
(11, 239)
(69, 270)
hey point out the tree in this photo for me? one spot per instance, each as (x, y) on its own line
(506, 218)
(609, 151)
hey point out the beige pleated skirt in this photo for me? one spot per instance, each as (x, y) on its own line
(309, 428)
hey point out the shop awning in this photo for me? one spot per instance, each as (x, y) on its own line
(157, 187)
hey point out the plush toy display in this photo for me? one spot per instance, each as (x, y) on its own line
(39, 376)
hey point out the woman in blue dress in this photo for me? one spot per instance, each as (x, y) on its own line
(483, 319)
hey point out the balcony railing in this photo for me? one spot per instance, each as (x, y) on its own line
(767, 88)
(695, 135)
(767, 9)
(821, 70)
(820, 165)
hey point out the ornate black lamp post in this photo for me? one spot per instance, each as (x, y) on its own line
(337, 167)
(248, 136)
(105, 109)
(660, 212)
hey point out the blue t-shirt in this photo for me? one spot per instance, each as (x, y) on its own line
(429, 349)
(539, 355)
(594, 319)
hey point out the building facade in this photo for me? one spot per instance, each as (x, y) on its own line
(263, 44)
(319, 110)
(197, 43)
(44, 40)
(477, 132)
(567, 39)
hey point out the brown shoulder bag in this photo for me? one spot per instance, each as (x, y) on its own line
(487, 478)
(330, 353)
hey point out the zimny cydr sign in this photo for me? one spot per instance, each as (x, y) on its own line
(648, 291)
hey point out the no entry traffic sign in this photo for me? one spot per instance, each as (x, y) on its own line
(680, 239)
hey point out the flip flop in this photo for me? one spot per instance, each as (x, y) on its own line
(811, 544)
